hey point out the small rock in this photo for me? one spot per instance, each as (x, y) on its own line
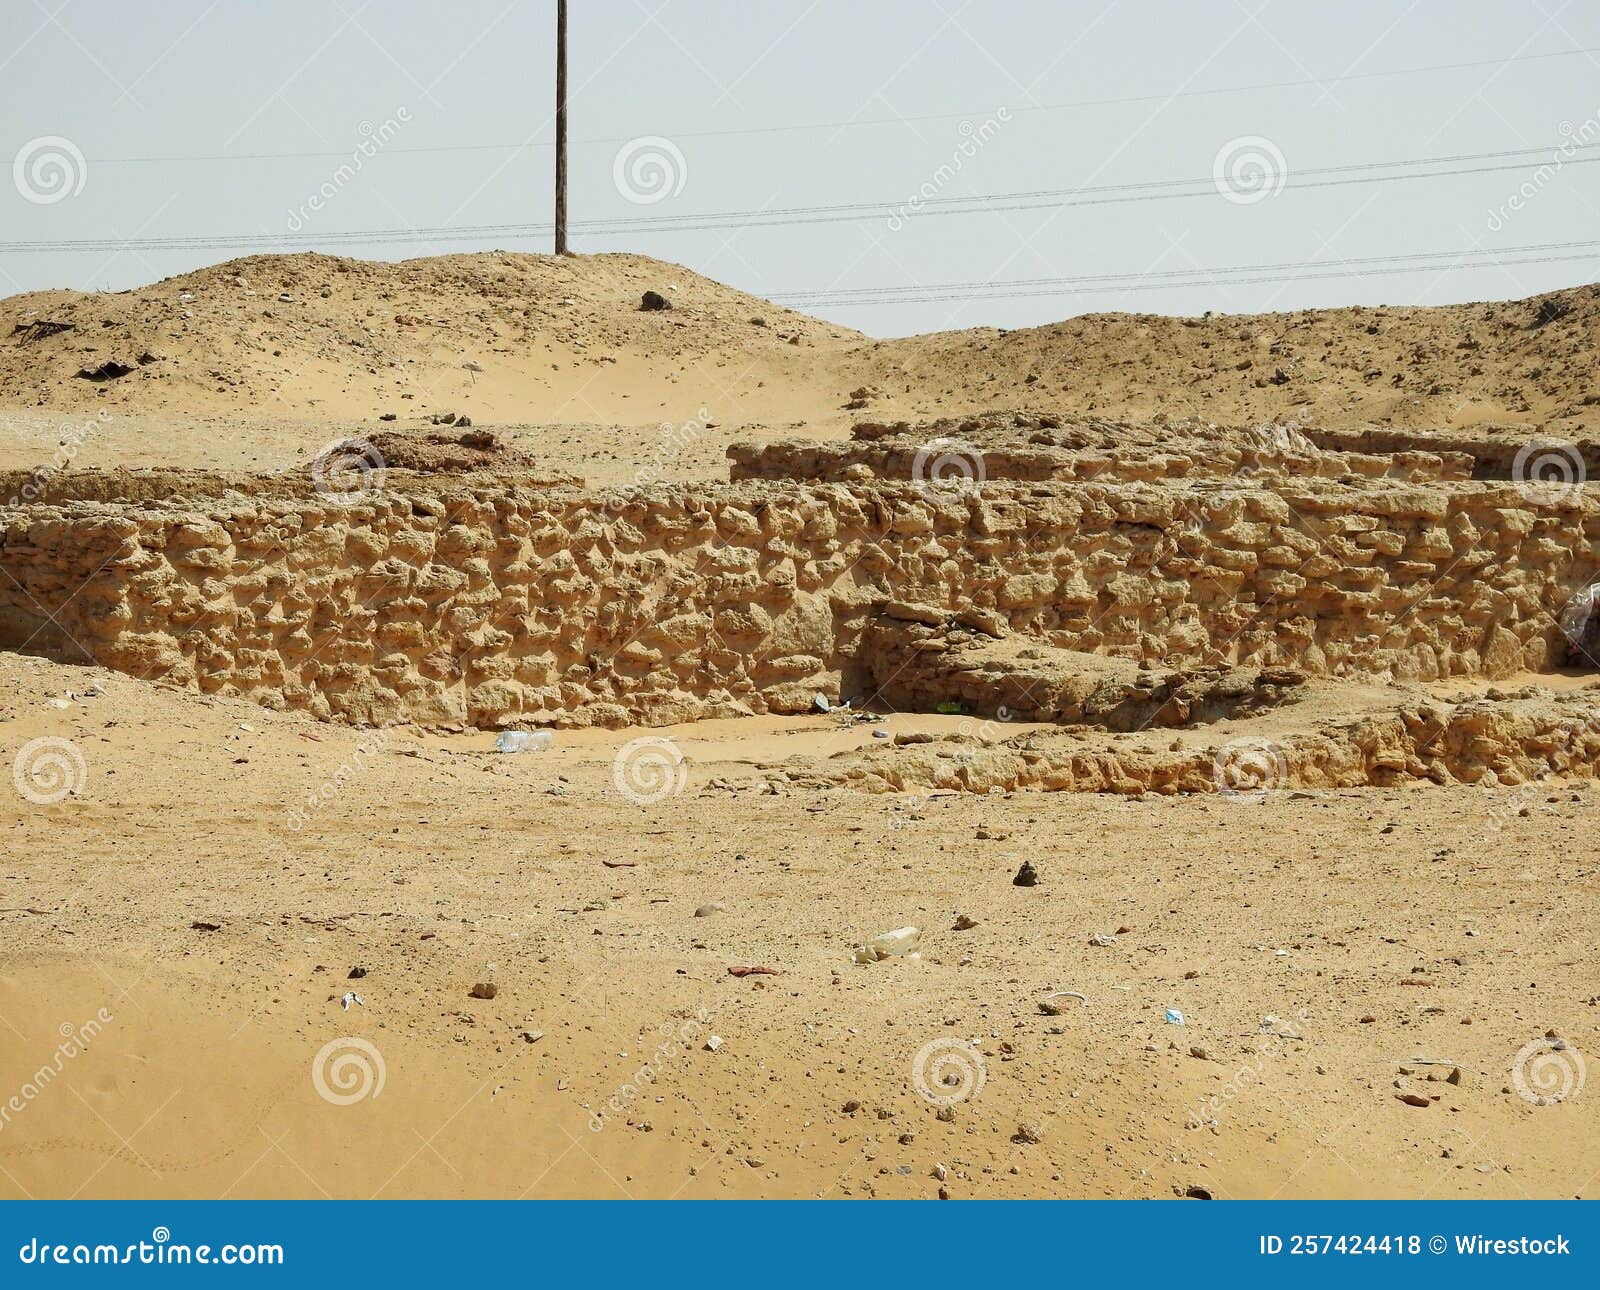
(714, 1043)
(964, 924)
(1027, 1134)
(654, 302)
(705, 911)
(1027, 875)
(356, 973)
(483, 990)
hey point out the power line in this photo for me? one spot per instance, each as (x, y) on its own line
(1025, 289)
(1037, 199)
(1421, 260)
(857, 123)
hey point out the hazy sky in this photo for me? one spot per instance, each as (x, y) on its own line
(291, 123)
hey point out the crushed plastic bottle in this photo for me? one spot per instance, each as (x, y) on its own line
(903, 942)
(515, 741)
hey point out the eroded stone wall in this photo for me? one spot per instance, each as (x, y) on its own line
(493, 607)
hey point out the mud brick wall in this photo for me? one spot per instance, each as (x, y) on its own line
(509, 606)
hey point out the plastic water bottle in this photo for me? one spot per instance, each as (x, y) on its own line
(515, 741)
(903, 942)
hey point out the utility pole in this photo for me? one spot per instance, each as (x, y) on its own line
(561, 128)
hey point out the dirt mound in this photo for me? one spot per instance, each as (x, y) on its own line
(1523, 362)
(444, 452)
(317, 335)
(515, 336)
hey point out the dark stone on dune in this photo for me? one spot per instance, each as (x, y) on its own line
(653, 302)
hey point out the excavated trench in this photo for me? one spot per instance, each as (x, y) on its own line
(1286, 598)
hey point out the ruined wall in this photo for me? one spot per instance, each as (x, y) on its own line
(490, 607)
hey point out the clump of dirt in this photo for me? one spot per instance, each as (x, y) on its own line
(444, 452)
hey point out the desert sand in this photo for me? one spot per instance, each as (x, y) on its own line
(1248, 637)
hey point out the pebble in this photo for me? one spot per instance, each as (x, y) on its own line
(1027, 875)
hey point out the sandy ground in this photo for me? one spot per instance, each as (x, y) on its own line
(1376, 927)
(177, 940)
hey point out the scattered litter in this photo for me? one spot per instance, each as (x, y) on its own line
(1102, 939)
(1051, 1008)
(349, 997)
(515, 741)
(819, 701)
(903, 942)
(1175, 1017)
(952, 708)
(753, 971)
